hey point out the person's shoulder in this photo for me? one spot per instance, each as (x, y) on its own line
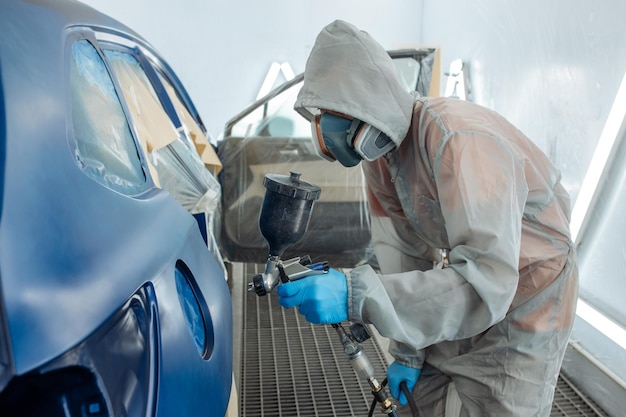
(440, 102)
(443, 107)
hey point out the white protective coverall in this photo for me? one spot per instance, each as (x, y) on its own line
(496, 320)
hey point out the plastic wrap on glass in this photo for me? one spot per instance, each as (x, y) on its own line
(275, 139)
(104, 146)
(193, 131)
(185, 177)
(339, 225)
(183, 174)
(269, 137)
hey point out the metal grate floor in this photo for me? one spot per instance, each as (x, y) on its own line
(290, 368)
(570, 402)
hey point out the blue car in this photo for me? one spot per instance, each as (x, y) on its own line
(113, 294)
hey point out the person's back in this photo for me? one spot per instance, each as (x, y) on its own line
(439, 122)
(459, 174)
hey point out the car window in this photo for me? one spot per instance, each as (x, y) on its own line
(192, 129)
(154, 127)
(184, 115)
(104, 145)
(408, 72)
(276, 118)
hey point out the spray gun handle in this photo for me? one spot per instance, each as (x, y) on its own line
(359, 332)
(298, 268)
(285, 271)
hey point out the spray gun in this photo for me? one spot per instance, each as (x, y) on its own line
(285, 216)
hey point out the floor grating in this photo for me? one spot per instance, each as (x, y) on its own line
(290, 368)
(570, 402)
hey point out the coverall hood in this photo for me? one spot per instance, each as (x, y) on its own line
(349, 72)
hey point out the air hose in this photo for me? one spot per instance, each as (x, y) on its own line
(362, 366)
(408, 395)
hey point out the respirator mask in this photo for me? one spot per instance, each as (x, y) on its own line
(340, 138)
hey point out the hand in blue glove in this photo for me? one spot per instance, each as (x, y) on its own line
(398, 373)
(322, 299)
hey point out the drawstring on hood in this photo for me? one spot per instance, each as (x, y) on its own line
(349, 72)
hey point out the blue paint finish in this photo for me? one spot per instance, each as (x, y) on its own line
(72, 251)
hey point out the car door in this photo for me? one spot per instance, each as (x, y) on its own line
(270, 137)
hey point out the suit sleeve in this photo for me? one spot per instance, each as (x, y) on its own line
(482, 191)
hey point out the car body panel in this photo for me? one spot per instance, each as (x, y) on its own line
(73, 251)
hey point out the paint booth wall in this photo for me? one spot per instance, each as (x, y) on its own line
(554, 69)
(551, 67)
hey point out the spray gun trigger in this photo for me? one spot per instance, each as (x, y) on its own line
(282, 274)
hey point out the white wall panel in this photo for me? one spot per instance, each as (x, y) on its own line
(552, 67)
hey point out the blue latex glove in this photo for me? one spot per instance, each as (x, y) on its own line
(398, 373)
(322, 299)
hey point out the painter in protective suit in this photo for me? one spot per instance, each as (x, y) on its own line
(491, 325)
